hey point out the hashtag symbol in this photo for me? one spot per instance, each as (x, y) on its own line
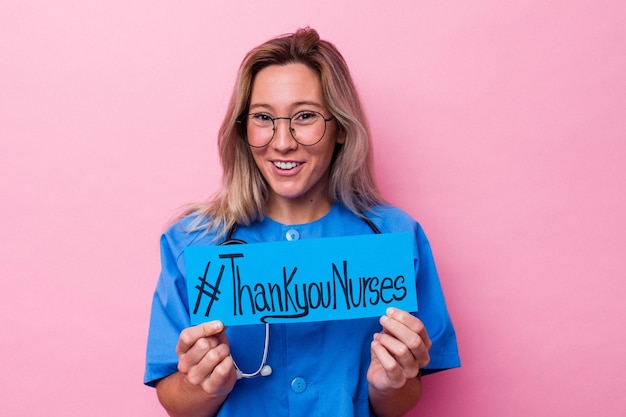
(205, 288)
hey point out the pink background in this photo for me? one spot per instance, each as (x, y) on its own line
(500, 125)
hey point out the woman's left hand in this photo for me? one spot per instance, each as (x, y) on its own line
(399, 351)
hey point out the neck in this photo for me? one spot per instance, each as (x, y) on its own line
(298, 212)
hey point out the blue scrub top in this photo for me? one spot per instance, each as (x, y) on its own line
(319, 368)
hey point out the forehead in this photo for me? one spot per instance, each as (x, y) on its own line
(278, 86)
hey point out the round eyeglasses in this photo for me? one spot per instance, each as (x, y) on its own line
(306, 127)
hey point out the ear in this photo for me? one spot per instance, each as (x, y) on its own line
(341, 136)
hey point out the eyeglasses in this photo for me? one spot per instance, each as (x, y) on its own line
(306, 127)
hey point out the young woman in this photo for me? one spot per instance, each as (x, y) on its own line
(295, 150)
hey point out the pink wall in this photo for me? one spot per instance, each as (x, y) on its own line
(500, 125)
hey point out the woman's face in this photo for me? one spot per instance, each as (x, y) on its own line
(294, 173)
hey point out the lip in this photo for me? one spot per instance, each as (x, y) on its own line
(286, 168)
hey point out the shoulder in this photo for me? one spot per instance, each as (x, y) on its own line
(187, 231)
(392, 219)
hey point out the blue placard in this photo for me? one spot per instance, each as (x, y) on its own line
(305, 280)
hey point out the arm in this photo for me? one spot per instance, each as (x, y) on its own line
(206, 373)
(396, 402)
(398, 353)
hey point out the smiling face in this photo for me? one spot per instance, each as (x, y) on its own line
(297, 175)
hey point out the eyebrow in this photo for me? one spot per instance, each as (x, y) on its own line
(296, 104)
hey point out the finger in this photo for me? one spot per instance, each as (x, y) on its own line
(411, 322)
(205, 368)
(403, 336)
(409, 360)
(221, 380)
(394, 373)
(222, 337)
(405, 327)
(196, 353)
(189, 336)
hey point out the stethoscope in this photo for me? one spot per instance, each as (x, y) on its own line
(264, 369)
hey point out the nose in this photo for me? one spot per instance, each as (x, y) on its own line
(283, 140)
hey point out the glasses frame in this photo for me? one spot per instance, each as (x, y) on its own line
(241, 121)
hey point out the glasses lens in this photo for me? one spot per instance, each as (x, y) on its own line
(308, 127)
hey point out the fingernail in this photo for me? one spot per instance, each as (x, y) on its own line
(390, 311)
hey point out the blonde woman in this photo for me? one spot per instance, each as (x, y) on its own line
(296, 155)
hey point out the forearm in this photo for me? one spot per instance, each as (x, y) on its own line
(396, 403)
(182, 399)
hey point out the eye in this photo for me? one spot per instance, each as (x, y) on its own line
(305, 117)
(261, 119)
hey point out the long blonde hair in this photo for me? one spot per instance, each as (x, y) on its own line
(242, 198)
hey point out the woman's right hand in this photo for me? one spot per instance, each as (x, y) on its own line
(204, 358)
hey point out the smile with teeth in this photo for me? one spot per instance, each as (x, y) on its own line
(286, 165)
